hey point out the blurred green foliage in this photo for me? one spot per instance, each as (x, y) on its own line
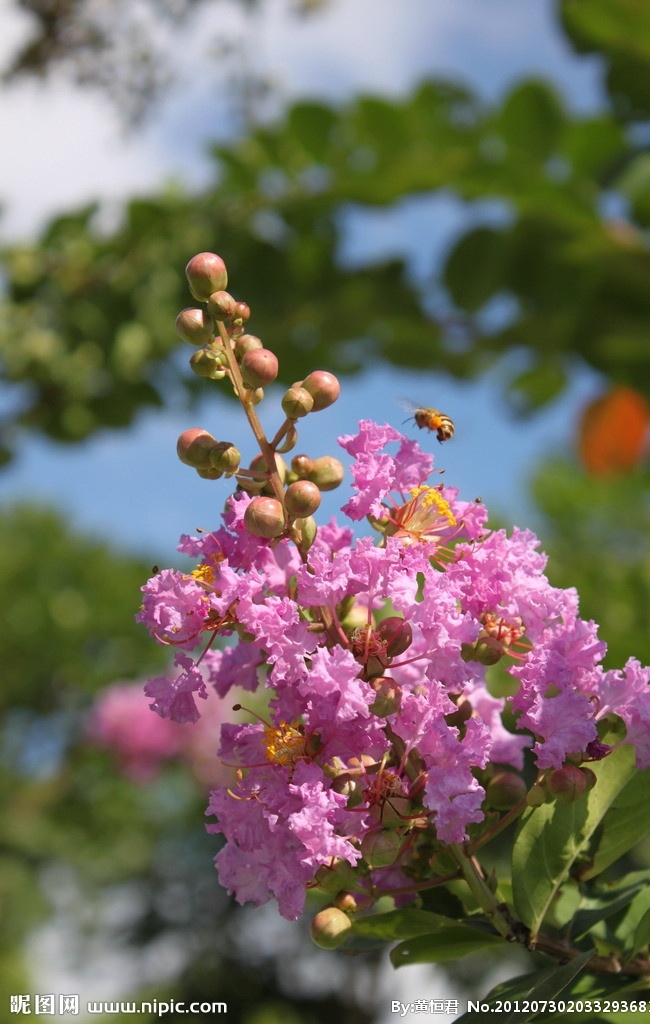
(557, 266)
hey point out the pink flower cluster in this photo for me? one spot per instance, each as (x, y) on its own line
(376, 658)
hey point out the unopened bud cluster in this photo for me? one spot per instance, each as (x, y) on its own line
(284, 498)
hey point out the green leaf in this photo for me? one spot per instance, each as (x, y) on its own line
(603, 906)
(531, 119)
(624, 824)
(535, 387)
(399, 924)
(450, 943)
(474, 268)
(550, 838)
(547, 984)
(311, 125)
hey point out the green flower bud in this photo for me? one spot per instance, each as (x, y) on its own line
(297, 402)
(264, 517)
(208, 362)
(206, 273)
(258, 464)
(536, 795)
(195, 326)
(323, 387)
(304, 533)
(225, 457)
(327, 473)
(301, 499)
(330, 927)
(389, 696)
(259, 367)
(221, 305)
(381, 847)
(335, 876)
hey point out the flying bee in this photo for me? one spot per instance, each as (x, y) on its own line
(432, 419)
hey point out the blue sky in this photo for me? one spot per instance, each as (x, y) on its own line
(128, 485)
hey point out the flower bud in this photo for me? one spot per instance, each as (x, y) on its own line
(304, 533)
(567, 783)
(225, 457)
(396, 633)
(302, 466)
(258, 464)
(301, 499)
(590, 778)
(264, 517)
(246, 343)
(206, 273)
(208, 362)
(194, 448)
(346, 902)
(536, 795)
(327, 473)
(209, 473)
(323, 387)
(335, 876)
(221, 305)
(380, 848)
(330, 927)
(389, 696)
(259, 367)
(195, 326)
(297, 402)
(487, 650)
(241, 312)
(505, 790)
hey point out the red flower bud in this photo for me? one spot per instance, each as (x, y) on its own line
(241, 312)
(221, 305)
(194, 448)
(259, 367)
(302, 466)
(567, 783)
(323, 387)
(505, 790)
(246, 343)
(206, 273)
(396, 633)
(195, 326)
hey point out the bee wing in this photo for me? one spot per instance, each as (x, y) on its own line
(408, 405)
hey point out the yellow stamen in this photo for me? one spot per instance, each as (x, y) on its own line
(285, 744)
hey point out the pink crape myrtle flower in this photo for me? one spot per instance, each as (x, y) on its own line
(372, 662)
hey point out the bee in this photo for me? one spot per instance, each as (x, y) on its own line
(432, 419)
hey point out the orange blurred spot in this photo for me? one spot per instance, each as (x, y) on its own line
(614, 432)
